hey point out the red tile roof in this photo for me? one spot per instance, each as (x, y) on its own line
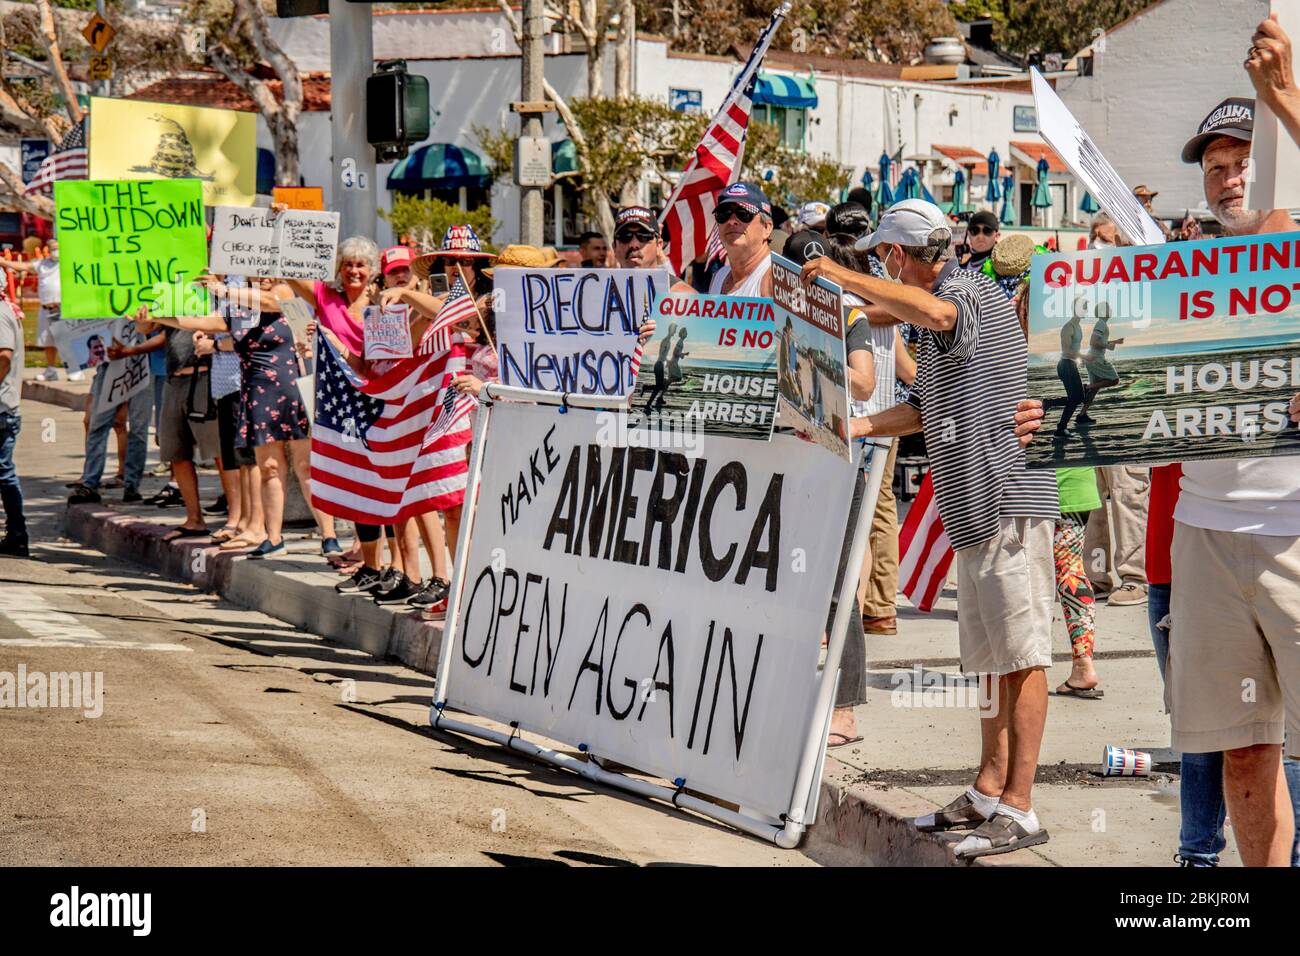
(217, 91)
(1037, 151)
(962, 155)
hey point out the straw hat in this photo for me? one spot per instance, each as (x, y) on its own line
(553, 257)
(520, 256)
(1012, 254)
(459, 241)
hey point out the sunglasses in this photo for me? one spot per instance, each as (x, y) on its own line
(980, 231)
(630, 234)
(724, 213)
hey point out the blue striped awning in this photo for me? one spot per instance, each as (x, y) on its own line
(439, 166)
(793, 92)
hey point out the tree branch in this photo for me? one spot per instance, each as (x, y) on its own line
(12, 195)
(49, 33)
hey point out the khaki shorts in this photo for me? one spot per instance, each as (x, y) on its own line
(1006, 589)
(177, 435)
(1233, 677)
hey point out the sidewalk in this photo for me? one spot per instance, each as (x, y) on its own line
(919, 749)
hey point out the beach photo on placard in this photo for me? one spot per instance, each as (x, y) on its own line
(1166, 353)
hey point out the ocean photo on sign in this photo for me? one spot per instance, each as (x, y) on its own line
(1178, 352)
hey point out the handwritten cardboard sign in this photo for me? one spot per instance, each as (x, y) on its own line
(307, 242)
(387, 332)
(255, 242)
(124, 244)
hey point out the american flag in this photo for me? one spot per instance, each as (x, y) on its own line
(69, 160)
(689, 213)
(391, 447)
(925, 553)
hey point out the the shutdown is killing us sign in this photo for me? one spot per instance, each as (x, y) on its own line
(1175, 352)
(572, 330)
(665, 610)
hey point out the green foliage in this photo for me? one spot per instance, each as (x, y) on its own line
(497, 148)
(1047, 26)
(425, 220)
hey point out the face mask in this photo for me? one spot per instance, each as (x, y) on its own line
(1102, 244)
(884, 264)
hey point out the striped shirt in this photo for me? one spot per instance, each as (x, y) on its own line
(968, 382)
(862, 336)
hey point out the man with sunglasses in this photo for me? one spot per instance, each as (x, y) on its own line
(637, 242)
(744, 218)
(982, 234)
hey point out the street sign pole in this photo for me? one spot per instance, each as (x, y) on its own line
(351, 61)
(531, 197)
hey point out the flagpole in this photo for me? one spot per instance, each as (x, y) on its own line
(477, 314)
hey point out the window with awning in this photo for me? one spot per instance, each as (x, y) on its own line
(439, 166)
(790, 92)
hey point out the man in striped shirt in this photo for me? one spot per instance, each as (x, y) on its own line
(970, 376)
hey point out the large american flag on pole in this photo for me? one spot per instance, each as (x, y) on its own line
(925, 553)
(393, 446)
(689, 212)
(69, 160)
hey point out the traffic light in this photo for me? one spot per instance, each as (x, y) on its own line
(397, 110)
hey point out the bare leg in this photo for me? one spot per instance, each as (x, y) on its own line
(188, 481)
(1258, 805)
(435, 543)
(250, 493)
(271, 463)
(452, 517)
(300, 451)
(234, 500)
(119, 431)
(994, 733)
(395, 556)
(408, 542)
(1026, 697)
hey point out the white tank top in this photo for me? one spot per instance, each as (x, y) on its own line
(752, 286)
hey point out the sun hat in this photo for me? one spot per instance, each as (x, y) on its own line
(521, 257)
(1012, 254)
(460, 241)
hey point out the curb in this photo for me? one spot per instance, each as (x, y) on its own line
(854, 826)
(39, 391)
(283, 587)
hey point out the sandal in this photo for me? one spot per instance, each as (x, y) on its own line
(841, 743)
(240, 543)
(226, 534)
(1083, 693)
(1003, 835)
(179, 532)
(961, 814)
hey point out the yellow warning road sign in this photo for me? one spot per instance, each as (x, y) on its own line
(99, 33)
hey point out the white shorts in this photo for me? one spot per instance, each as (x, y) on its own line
(1006, 590)
(46, 319)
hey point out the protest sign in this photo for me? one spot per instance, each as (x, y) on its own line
(810, 356)
(572, 330)
(83, 345)
(1175, 352)
(387, 332)
(711, 367)
(135, 139)
(243, 241)
(299, 197)
(124, 378)
(1077, 150)
(32, 154)
(124, 244)
(306, 243)
(1273, 180)
(644, 603)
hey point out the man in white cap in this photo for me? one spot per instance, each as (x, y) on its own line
(971, 372)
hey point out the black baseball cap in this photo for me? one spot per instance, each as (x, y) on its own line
(805, 246)
(747, 196)
(984, 218)
(635, 216)
(1234, 117)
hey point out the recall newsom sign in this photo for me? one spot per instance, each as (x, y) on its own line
(665, 610)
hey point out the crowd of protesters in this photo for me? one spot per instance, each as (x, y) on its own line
(936, 338)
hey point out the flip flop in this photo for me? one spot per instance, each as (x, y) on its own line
(177, 533)
(843, 743)
(239, 543)
(1083, 693)
(225, 534)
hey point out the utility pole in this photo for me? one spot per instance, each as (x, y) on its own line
(352, 59)
(532, 95)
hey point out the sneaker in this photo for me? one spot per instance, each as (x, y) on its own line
(77, 376)
(265, 548)
(1127, 594)
(437, 612)
(365, 579)
(330, 546)
(218, 507)
(84, 495)
(399, 594)
(13, 547)
(170, 495)
(434, 591)
(131, 497)
(49, 375)
(161, 470)
(390, 578)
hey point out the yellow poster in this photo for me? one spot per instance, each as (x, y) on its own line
(134, 139)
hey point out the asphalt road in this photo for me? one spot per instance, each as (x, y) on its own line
(228, 737)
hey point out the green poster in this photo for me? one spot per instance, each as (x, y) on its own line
(127, 244)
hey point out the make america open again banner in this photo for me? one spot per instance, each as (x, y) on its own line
(665, 610)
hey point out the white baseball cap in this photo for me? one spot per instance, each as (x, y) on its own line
(812, 214)
(908, 223)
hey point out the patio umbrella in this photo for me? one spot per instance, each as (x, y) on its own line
(867, 180)
(1042, 194)
(995, 163)
(1008, 214)
(909, 187)
(1089, 205)
(886, 195)
(958, 191)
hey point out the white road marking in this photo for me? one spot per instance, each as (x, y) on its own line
(53, 628)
